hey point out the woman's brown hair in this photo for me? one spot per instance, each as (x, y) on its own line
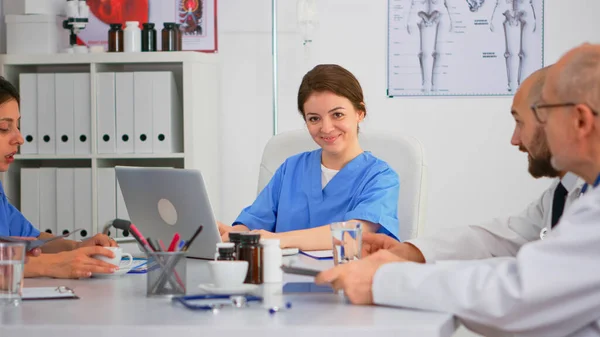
(332, 78)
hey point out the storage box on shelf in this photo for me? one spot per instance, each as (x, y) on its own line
(84, 114)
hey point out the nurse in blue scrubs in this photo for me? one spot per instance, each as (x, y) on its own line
(338, 182)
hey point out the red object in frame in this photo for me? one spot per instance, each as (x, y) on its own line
(120, 11)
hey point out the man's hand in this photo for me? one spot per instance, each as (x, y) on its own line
(77, 263)
(356, 277)
(372, 243)
(97, 240)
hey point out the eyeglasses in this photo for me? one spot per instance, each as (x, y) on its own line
(541, 110)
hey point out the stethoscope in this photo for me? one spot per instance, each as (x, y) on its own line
(584, 189)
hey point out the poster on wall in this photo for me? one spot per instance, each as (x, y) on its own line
(197, 19)
(462, 47)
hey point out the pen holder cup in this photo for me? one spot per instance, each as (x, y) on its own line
(166, 274)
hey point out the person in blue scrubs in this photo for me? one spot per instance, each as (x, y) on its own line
(338, 182)
(60, 258)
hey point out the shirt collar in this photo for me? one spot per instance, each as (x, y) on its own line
(571, 182)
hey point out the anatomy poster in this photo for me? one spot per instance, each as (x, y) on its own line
(197, 19)
(462, 47)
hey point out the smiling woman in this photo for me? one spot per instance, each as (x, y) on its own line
(338, 182)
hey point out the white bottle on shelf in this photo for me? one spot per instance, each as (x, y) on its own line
(132, 37)
(272, 259)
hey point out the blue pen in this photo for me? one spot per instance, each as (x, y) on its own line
(181, 244)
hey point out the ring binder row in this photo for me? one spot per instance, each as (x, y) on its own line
(56, 200)
(136, 112)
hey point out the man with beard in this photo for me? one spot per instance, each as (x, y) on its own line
(504, 236)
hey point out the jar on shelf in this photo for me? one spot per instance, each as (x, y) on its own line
(168, 37)
(148, 37)
(133, 37)
(115, 38)
(179, 41)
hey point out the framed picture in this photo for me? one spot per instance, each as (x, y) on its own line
(198, 20)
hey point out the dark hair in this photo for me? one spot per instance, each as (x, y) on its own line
(8, 92)
(332, 78)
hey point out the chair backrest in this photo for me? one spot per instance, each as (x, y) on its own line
(403, 154)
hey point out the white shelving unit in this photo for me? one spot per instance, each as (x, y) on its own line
(197, 79)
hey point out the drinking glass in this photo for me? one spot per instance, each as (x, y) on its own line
(347, 241)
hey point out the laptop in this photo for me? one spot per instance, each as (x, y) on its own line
(163, 201)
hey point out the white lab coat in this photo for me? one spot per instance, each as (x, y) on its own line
(501, 236)
(551, 288)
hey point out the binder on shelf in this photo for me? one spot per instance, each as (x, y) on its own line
(106, 197)
(63, 84)
(82, 203)
(30, 195)
(82, 116)
(65, 200)
(166, 114)
(142, 111)
(46, 108)
(29, 114)
(47, 200)
(124, 111)
(105, 113)
(121, 209)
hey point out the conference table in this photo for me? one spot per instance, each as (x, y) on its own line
(118, 306)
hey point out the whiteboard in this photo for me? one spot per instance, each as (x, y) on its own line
(475, 47)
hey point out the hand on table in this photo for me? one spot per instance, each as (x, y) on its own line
(356, 277)
(77, 263)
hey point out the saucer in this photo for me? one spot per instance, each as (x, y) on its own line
(235, 290)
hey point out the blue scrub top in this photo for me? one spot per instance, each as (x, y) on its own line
(365, 189)
(12, 222)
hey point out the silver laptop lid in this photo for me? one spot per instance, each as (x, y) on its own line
(163, 201)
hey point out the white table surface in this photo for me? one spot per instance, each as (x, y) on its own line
(119, 307)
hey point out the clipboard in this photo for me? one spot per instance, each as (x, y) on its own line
(48, 293)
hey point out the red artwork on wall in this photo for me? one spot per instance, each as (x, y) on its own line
(119, 11)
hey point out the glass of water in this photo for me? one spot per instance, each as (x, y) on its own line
(12, 261)
(347, 241)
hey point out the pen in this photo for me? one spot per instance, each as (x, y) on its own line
(181, 244)
(174, 242)
(151, 244)
(191, 240)
(161, 244)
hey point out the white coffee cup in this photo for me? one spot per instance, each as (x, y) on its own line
(118, 252)
(227, 274)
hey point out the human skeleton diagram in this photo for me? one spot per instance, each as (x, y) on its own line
(519, 16)
(474, 5)
(430, 14)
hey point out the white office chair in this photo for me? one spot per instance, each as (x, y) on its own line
(403, 154)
